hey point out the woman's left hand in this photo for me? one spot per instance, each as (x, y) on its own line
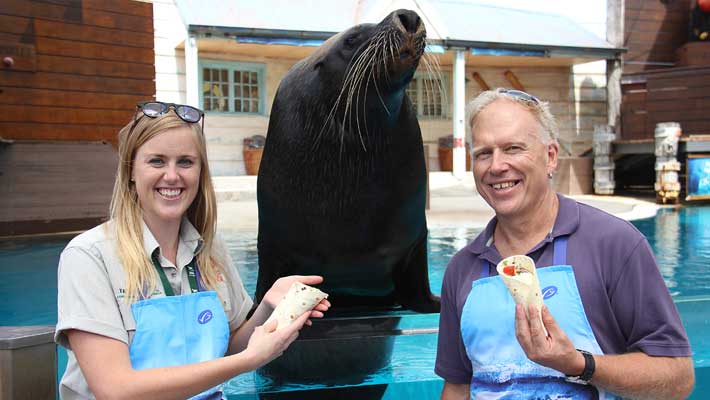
(279, 289)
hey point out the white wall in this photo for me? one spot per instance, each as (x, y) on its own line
(578, 96)
(589, 80)
(224, 133)
(169, 61)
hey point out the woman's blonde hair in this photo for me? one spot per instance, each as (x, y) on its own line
(126, 213)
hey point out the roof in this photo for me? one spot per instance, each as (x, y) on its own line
(451, 23)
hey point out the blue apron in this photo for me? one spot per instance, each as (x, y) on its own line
(178, 330)
(501, 370)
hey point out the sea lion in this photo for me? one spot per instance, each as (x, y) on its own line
(341, 188)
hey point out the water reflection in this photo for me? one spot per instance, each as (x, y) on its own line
(680, 239)
(667, 238)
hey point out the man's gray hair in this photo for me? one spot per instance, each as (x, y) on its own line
(539, 109)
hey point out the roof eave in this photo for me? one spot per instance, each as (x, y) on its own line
(609, 53)
(259, 32)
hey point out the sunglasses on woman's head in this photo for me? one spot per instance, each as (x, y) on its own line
(520, 95)
(154, 109)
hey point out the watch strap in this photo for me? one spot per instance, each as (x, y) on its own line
(587, 372)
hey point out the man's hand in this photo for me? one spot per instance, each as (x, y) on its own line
(631, 375)
(556, 350)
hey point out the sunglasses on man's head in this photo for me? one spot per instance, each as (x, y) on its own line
(520, 95)
(155, 109)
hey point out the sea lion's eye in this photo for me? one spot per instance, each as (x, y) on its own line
(351, 40)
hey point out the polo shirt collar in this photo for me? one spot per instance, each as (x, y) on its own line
(189, 237)
(566, 223)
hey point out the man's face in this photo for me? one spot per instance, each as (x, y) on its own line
(510, 161)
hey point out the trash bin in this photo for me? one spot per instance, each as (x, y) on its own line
(253, 149)
(446, 154)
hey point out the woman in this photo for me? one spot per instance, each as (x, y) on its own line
(149, 303)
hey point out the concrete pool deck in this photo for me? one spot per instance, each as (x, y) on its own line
(452, 202)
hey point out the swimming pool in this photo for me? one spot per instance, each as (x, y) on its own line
(680, 239)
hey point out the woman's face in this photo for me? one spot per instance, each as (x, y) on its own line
(166, 172)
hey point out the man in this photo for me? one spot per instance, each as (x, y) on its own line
(602, 289)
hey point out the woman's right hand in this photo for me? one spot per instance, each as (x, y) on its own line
(266, 343)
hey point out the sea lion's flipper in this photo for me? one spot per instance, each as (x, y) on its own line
(411, 280)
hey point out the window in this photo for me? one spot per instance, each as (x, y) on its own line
(428, 96)
(233, 87)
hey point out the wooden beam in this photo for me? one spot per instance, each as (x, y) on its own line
(510, 76)
(479, 79)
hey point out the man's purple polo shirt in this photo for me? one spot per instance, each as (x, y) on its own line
(624, 296)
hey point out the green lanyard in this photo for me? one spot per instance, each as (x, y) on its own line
(191, 276)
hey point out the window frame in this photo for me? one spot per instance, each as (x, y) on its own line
(231, 67)
(420, 77)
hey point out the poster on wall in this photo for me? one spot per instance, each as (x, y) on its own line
(698, 177)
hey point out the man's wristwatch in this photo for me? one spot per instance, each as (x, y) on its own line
(587, 372)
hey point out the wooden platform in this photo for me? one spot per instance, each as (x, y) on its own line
(686, 144)
(54, 186)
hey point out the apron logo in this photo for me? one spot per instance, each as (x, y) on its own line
(549, 292)
(204, 317)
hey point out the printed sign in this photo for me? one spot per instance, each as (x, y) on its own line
(698, 177)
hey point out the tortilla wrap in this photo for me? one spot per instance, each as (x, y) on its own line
(523, 285)
(299, 299)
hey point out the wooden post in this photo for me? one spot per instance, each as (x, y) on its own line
(192, 91)
(459, 150)
(615, 36)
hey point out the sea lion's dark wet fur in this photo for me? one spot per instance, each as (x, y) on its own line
(342, 181)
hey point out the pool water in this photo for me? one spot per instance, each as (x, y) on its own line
(680, 239)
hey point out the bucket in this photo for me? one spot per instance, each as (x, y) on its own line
(253, 150)
(446, 159)
(252, 159)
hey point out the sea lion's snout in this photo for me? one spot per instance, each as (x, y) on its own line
(408, 21)
(411, 35)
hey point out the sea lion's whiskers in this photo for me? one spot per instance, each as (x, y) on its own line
(336, 103)
(375, 66)
(360, 71)
(393, 47)
(379, 95)
(431, 63)
(366, 63)
(369, 65)
(380, 44)
(356, 74)
(381, 49)
(353, 76)
(354, 91)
